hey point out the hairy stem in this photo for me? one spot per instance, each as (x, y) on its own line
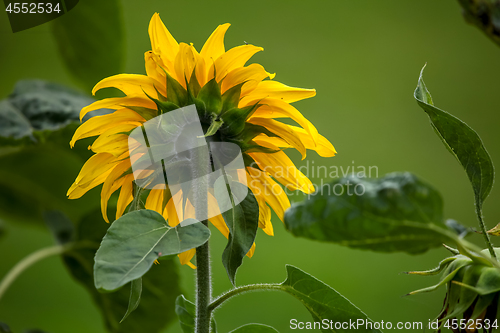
(485, 233)
(241, 290)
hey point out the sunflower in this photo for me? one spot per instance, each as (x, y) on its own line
(243, 102)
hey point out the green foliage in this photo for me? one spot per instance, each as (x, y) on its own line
(135, 241)
(91, 40)
(160, 286)
(398, 212)
(4, 328)
(254, 328)
(242, 221)
(37, 167)
(61, 227)
(186, 311)
(485, 15)
(135, 297)
(462, 142)
(322, 301)
(210, 94)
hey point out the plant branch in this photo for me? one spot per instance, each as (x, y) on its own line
(241, 290)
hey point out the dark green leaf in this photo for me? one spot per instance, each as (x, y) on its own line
(135, 297)
(398, 212)
(462, 141)
(186, 311)
(322, 301)
(160, 285)
(242, 221)
(210, 94)
(91, 40)
(484, 14)
(60, 226)
(254, 328)
(2, 228)
(4, 328)
(37, 111)
(135, 241)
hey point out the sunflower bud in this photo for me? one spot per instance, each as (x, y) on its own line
(473, 292)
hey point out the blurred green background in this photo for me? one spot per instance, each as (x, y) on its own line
(363, 58)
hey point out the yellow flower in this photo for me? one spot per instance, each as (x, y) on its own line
(244, 99)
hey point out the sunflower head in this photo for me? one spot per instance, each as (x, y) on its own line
(235, 103)
(472, 292)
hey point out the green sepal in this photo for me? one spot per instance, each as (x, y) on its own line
(163, 107)
(192, 98)
(214, 127)
(231, 97)
(210, 94)
(251, 131)
(235, 119)
(193, 85)
(252, 147)
(145, 113)
(442, 265)
(176, 93)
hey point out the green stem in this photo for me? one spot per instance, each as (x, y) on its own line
(27, 262)
(203, 288)
(241, 290)
(486, 236)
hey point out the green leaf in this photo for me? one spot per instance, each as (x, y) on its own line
(2, 229)
(61, 226)
(135, 241)
(37, 122)
(254, 328)
(38, 111)
(462, 141)
(242, 221)
(4, 328)
(210, 94)
(398, 212)
(322, 301)
(90, 39)
(135, 297)
(160, 286)
(186, 311)
(485, 15)
(231, 97)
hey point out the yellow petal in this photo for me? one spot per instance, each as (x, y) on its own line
(232, 59)
(118, 103)
(132, 85)
(99, 124)
(185, 257)
(162, 42)
(113, 141)
(276, 90)
(251, 74)
(284, 131)
(273, 108)
(251, 251)
(155, 200)
(264, 216)
(263, 186)
(283, 170)
(185, 62)
(214, 46)
(126, 195)
(153, 68)
(111, 184)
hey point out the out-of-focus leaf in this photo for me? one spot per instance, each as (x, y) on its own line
(255, 328)
(242, 221)
(458, 228)
(37, 167)
(160, 285)
(91, 40)
(398, 212)
(2, 228)
(4, 328)
(135, 241)
(60, 226)
(38, 111)
(463, 143)
(135, 297)
(186, 312)
(484, 14)
(322, 301)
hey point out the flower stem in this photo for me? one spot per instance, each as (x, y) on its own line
(27, 262)
(241, 290)
(203, 288)
(486, 236)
